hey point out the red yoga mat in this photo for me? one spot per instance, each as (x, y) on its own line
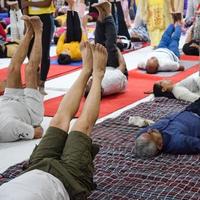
(186, 57)
(138, 85)
(54, 71)
(134, 92)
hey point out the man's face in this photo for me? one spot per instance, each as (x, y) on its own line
(167, 85)
(155, 136)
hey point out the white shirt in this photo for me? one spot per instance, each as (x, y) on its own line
(114, 81)
(167, 60)
(188, 89)
(34, 185)
(15, 121)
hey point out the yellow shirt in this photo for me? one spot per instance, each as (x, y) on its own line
(62, 19)
(32, 10)
(72, 48)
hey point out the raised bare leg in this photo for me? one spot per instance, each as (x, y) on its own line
(90, 110)
(14, 73)
(70, 102)
(31, 71)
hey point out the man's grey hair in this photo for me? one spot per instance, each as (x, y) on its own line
(145, 147)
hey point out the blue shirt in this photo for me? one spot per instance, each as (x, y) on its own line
(180, 132)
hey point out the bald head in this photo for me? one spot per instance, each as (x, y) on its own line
(152, 65)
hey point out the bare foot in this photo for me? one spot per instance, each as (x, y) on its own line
(36, 24)
(100, 57)
(104, 9)
(87, 57)
(13, 5)
(28, 25)
(71, 4)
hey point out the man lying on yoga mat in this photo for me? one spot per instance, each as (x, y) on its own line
(61, 166)
(175, 134)
(166, 56)
(68, 46)
(187, 90)
(115, 79)
(22, 110)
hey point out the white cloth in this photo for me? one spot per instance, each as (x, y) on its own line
(34, 185)
(167, 60)
(188, 89)
(114, 81)
(139, 121)
(21, 109)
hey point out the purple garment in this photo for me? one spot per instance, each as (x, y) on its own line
(185, 6)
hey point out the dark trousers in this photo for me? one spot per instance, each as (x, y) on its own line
(74, 32)
(194, 107)
(105, 34)
(46, 42)
(188, 50)
(118, 16)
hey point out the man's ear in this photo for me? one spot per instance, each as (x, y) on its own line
(163, 89)
(159, 146)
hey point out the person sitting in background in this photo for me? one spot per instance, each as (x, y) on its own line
(192, 42)
(187, 90)
(174, 134)
(116, 75)
(61, 166)
(22, 109)
(68, 46)
(166, 56)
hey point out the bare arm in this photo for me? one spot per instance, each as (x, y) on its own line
(189, 35)
(38, 132)
(122, 63)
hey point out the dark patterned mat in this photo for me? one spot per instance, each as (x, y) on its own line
(120, 175)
